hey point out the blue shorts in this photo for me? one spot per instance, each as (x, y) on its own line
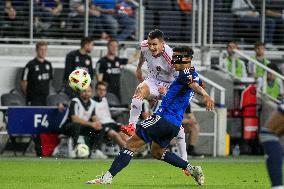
(157, 129)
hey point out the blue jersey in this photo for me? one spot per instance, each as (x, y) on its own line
(178, 97)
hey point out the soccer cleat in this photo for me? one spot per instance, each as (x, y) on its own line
(128, 129)
(197, 174)
(100, 180)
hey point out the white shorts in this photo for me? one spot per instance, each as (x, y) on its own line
(154, 86)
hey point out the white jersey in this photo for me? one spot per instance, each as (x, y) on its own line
(159, 68)
(103, 111)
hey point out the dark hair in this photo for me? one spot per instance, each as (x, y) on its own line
(100, 83)
(112, 40)
(259, 44)
(86, 40)
(184, 49)
(274, 67)
(156, 33)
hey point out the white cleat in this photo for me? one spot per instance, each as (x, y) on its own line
(100, 180)
(198, 175)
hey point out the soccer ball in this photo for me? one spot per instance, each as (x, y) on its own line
(82, 151)
(79, 80)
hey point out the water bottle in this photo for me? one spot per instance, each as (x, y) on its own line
(236, 150)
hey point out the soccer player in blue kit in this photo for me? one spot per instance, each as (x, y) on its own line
(269, 137)
(165, 123)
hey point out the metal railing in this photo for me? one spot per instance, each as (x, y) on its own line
(214, 87)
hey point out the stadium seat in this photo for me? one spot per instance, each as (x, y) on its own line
(14, 99)
(114, 101)
(171, 24)
(55, 99)
(150, 21)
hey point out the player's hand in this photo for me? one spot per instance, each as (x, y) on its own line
(139, 74)
(97, 125)
(209, 102)
(61, 107)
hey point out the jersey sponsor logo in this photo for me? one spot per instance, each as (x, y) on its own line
(158, 68)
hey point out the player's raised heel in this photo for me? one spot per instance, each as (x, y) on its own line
(198, 175)
(128, 129)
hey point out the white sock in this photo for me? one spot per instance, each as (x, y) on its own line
(136, 108)
(277, 187)
(181, 144)
(107, 176)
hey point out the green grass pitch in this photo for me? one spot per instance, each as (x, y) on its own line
(51, 173)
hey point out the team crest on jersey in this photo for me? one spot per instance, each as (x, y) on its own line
(158, 68)
(87, 62)
(109, 65)
(36, 68)
(77, 59)
(117, 64)
(47, 67)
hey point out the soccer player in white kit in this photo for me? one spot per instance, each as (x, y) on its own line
(161, 74)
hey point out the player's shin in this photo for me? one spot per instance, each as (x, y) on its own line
(121, 161)
(181, 144)
(174, 160)
(136, 108)
(273, 153)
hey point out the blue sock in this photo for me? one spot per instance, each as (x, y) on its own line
(273, 151)
(174, 160)
(121, 161)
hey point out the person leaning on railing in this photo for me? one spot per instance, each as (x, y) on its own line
(254, 70)
(228, 61)
(273, 85)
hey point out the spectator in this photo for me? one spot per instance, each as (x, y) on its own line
(255, 70)
(274, 10)
(35, 82)
(227, 63)
(82, 120)
(79, 59)
(15, 18)
(120, 24)
(108, 68)
(76, 19)
(104, 115)
(47, 13)
(36, 77)
(247, 13)
(273, 86)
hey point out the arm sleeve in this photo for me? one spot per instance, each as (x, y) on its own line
(73, 109)
(91, 71)
(51, 71)
(25, 73)
(69, 62)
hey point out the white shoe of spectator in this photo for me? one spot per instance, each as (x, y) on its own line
(97, 154)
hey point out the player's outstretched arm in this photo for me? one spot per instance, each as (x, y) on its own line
(208, 101)
(139, 67)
